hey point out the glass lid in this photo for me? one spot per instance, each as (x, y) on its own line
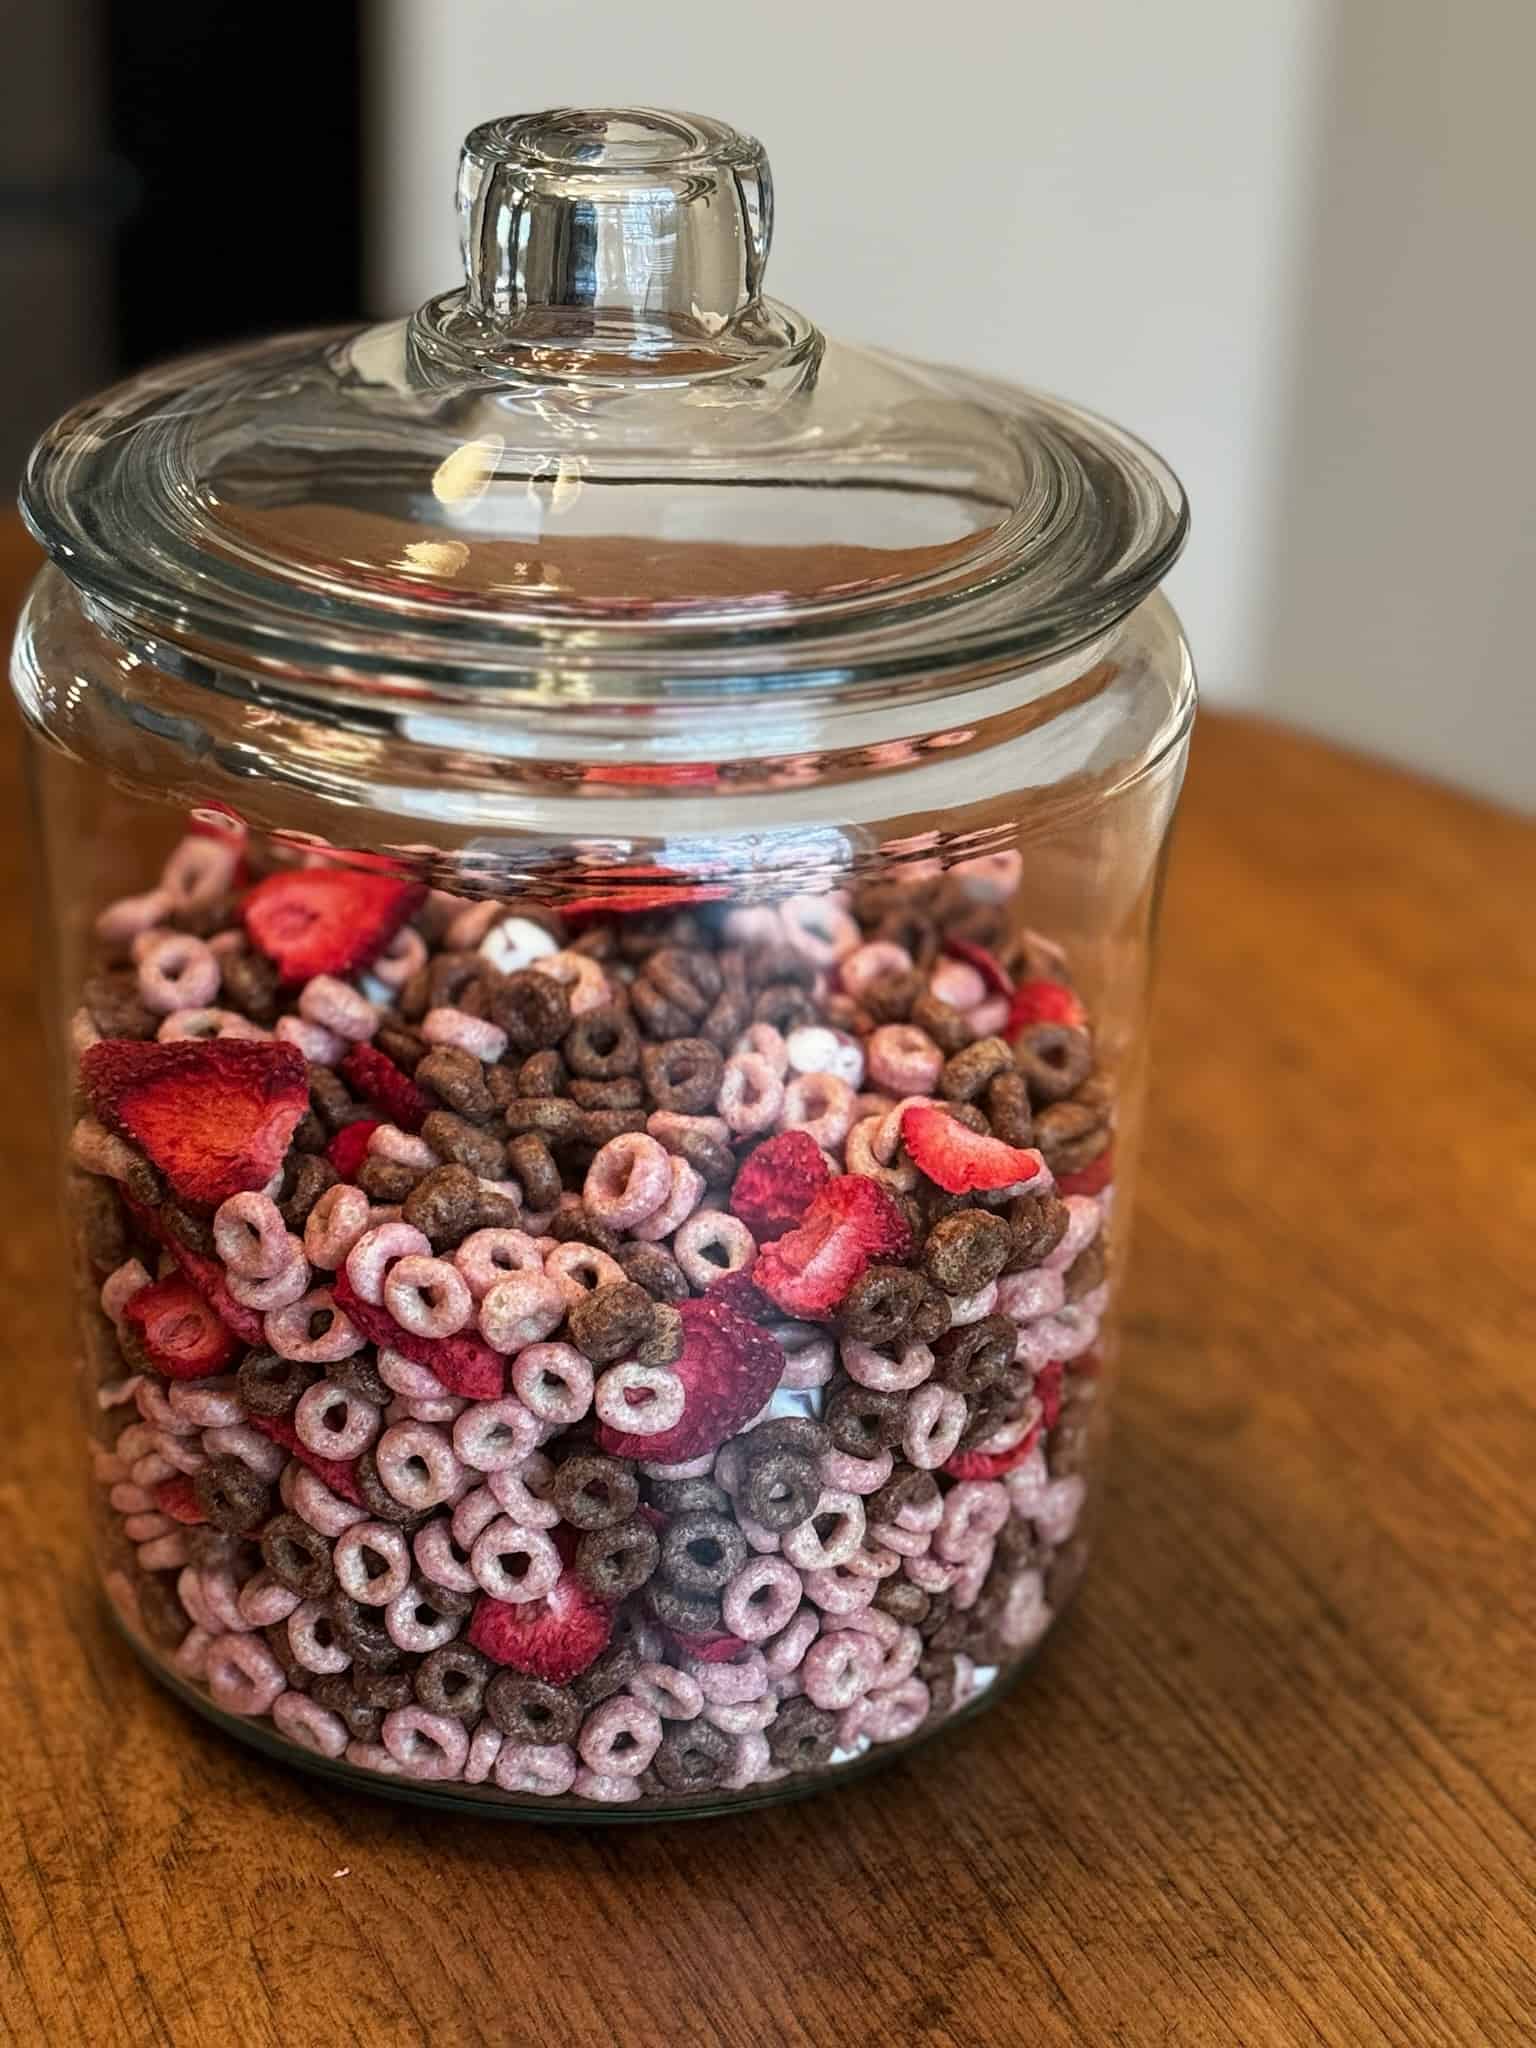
(606, 459)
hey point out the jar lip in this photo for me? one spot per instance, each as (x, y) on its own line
(1106, 520)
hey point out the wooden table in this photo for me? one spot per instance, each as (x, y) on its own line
(1276, 1782)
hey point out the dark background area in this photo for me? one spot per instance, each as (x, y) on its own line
(172, 173)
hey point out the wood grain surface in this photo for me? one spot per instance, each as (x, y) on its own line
(1274, 1783)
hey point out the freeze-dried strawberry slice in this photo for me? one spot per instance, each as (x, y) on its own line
(349, 1148)
(204, 1273)
(960, 1160)
(214, 1114)
(628, 890)
(987, 965)
(776, 1186)
(371, 1073)
(336, 1472)
(1091, 1179)
(554, 1638)
(466, 1364)
(1043, 1002)
(715, 1648)
(728, 1368)
(312, 921)
(180, 1332)
(177, 1497)
(809, 1271)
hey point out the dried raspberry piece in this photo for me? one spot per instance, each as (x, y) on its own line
(349, 1148)
(1091, 1179)
(373, 1075)
(809, 1271)
(336, 1472)
(776, 1186)
(215, 1115)
(312, 921)
(1043, 1002)
(960, 1160)
(987, 965)
(177, 1497)
(629, 890)
(466, 1364)
(739, 1291)
(728, 1368)
(179, 1330)
(554, 1638)
(716, 1647)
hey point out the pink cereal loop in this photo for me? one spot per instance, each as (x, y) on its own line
(904, 1060)
(628, 1180)
(732, 1681)
(199, 869)
(744, 1716)
(935, 1417)
(473, 1512)
(334, 1225)
(819, 1049)
(307, 1723)
(207, 1023)
(120, 1286)
(554, 1382)
(176, 972)
(686, 1195)
(903, 1542)
(806, 1546)
(838, 1592)
(495, 1436)
(669, 1128)
(255, 1451)
(516, 942)
(548, 1769)
(251, 1237)
(427, 1296)
(512, 1490)
(769, 1044)
(751, 1763)
(819, 929)
(974, 1511)
(1083, 1219)
(264, 1601)
(290, 1280)
(821, 1105)
(672, 1694)
(754, 924)
(762, 1599)
(487, 1256)
(416, 1464)
(620, 1737)
(862, 1156)
(659, 1406)
(477, 1036)
(372, 1563)
(520, 1310)
(957, 983)
(1039, 1292)
(751, 1094)
(892, 1715)
(990, 877)
(872, 962)
(405, 955)
(408, 1630)
(243, 1675)
(577, 1269)
(839, 1668)
(971, 1308)
(375, 1250)
(405, 1377)
(307, 1494)
(338, 1007)
(989, 1019)
(334, 1422)
(131, 915)
(810, 1356)
(426, 1745)
(401, 1148)
(583, 980)
(320, 1047)
(871, 1368)
(785, 1653)
(848, 1474)
(504, 1540)
(433, 1549)
(713, 1230)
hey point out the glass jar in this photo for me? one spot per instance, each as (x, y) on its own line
(601, 852)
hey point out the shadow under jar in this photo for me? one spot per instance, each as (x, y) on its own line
(601, 853)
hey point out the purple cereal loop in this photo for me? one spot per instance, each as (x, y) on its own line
(872, 962)
(120, 1286)
(837, 1592)
(839, 1669)
(806, 1546)
(894, 1715)
(929, 1573)
(506, 1538)
(671, 1694)
(285, 1285)
(752, 1763)
(819, 1049)
(901, 1657)
(751, 1094)
(287, 1330)
(1071, 1331)
(970, 1308)
(334, 1225)
(256, 1452)
(786, 1651)
(335, 1422)
(810, 1356)
(904, 1542)
(307, 1494)
(243, 1675)
(337, 1007)
(762, 1599)
(712, 1229)
(206, 1404)
(191, 1657)
(660, 1409)
(426, 1745)
(974, 1511)
(732, 1680)
(873, 1562)
(1039, 1292)
(307, 1723)
(176, 972)
(405, 1377)
(433, 1548)
(862, 1157)
(957, 983)
(821, 1105)
(488, 1256)
(477, 1036)
(620, 1737)
(375, 1251)
(517, 942)
(935, 1417)
(548, 1769)
(264, 1600)
(251, 1237)
(629, 1179)
(607, 1787)
(687, 1193)
(578, 1269)
(314, 1642)
(743, 1716)
(553, 1382)
(886, 1375)
(372, 1563)
(205, 1023)
(841, 1469)
(427, 1296)
(320, 1047)
(484, 1748)
(490, 1436)
(766, 1542)
(819, 929)
(769, 1044)
(970, 1576)
(520, 1310)
(407, 1630)
(416, 1463)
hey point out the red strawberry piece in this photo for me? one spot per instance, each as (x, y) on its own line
(180, 1331)
(336, 1472)
(1048, 1391)
(312, 921)
(1043, 1002)
(629, 890)
(728, 1368)
(1091, 1179)
(349, 1148)
(205, 1274)
(739, 1291)
(991, 1464)
(714, 1648)
(960, 1160)
(778, 1183)
(809, 1271)
(466, 1364)
(177, 1497)
(371, 1073)
(986, 964)
(214, 1114)
(554, 1638)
